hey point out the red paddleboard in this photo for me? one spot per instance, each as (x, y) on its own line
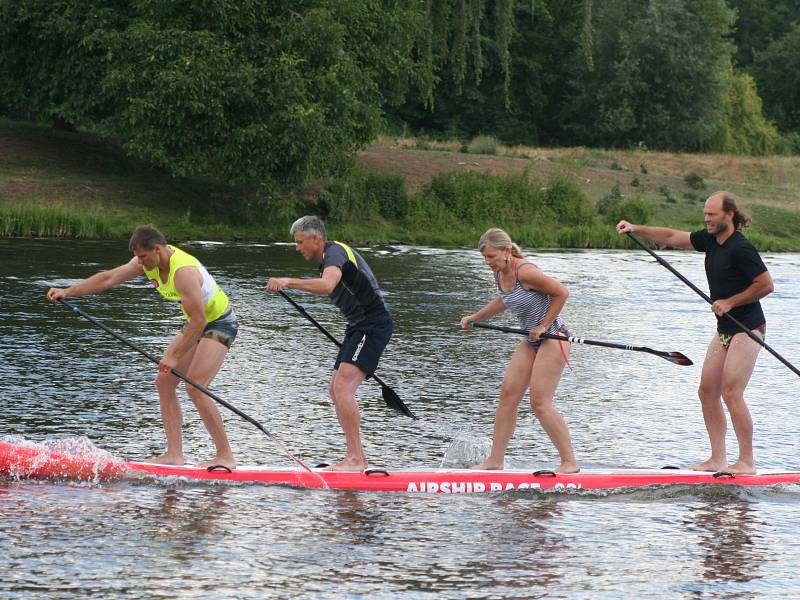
(24, 461)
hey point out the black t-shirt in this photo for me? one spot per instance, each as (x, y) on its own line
(357, 294)
(730, 269)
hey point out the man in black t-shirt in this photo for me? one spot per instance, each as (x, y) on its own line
(349, 282)
(737, 279)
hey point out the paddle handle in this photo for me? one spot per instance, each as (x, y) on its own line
(156, 360)
(708, 299)
(673, 357)
(389, 395)
(551, 336)
(316, 324)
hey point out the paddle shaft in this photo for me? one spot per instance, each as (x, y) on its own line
(189, 381)
(675, 357)
(708, 299)
(400, 405)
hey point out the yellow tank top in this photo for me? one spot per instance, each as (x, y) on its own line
(215, 301)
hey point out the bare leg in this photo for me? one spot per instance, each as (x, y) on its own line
(206, 363)
(741, 360)
(171, 415)
(710, 393)
(547, 368)
(344, 383)
(515, 383)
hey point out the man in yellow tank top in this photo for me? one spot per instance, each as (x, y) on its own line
(197, 350)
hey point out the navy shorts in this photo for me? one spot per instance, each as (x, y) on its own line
(364, 343)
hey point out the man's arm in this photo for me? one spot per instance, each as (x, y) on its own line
(99, 282)
(663, 236)
(761, 286)
(323, 286)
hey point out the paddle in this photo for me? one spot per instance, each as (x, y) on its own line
(673, 357)
(183, 377)
(705, 297)
(389, 395)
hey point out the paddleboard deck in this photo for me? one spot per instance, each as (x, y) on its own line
(22, 461)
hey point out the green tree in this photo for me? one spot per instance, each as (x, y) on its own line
(777, 71)
(238, 90)
(657, 74)
(743, 129)
(758, 23)
(475, 94)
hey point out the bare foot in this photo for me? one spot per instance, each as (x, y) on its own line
(710, 465)
(349, 464)
(489, 465)
(175, 460)
(568, 467)
(225, 461)
(741, 468)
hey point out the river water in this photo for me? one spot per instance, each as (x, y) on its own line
(65, 380)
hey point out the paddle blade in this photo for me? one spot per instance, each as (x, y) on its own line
(393, 401)
(679, 359)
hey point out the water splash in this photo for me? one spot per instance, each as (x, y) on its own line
(75, 459)
(466, 451)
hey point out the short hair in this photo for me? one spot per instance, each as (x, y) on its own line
(309, 225)
(147, 237)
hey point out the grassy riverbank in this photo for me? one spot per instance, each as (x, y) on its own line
(77, 185)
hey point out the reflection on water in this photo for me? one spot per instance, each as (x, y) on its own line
(64, 378)
(729, 533)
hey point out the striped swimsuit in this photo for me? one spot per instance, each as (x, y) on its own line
(529, 306)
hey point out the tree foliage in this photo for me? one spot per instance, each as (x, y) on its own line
(743, 129)
(777, 69)
(247, 91)
(520, 105)
(758, 23)
(658, 74)
(240, 91)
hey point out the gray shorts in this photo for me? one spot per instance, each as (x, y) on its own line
(223, 330)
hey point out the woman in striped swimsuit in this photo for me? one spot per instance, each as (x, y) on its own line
(536, 300)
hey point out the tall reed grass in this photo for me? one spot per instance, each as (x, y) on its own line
(47, 221)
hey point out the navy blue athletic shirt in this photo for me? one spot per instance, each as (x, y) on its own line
(357, 295)
(730, 269)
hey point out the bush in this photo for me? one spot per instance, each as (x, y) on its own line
(614, 207)
(667, 193)
(691, 197)
(363, 196)
(426, 213)
(568, 202)
(634, 210)
(483, 144)
(525, 208)
(583, 236)
(481, 198)
(695, 181)
(607, 202)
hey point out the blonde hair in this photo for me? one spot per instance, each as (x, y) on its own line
(499, 239)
